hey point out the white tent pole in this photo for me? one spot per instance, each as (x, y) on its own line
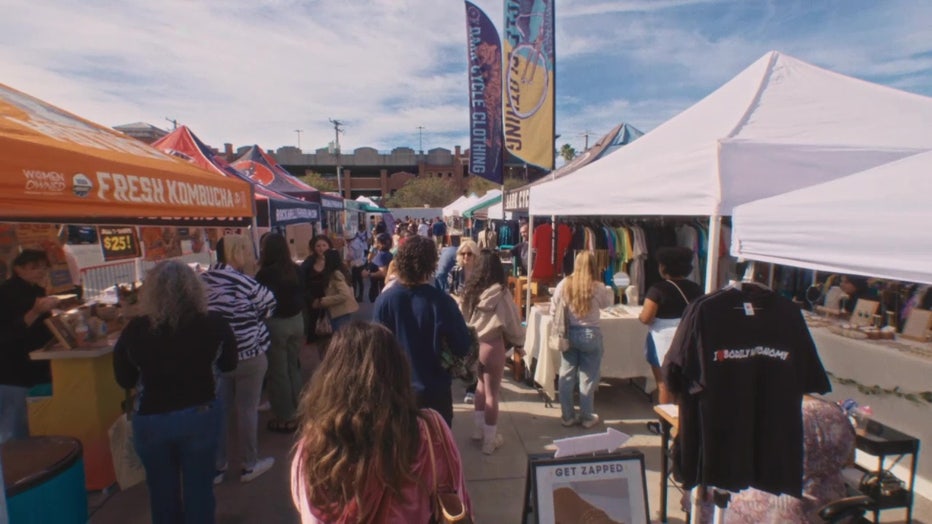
(711, 263)
(530, 267)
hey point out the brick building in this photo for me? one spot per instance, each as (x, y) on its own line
(368, 172)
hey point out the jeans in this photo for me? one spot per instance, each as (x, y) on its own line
(285, 381)
(338, 322)
(358, 283)
(177, 450)
(240, 391)
(580, 363)
(440, 401)
(14, 417)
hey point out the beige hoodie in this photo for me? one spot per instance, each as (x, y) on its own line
(496, 316)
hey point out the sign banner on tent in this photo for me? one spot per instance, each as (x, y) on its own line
(529, 85)
(485, 95)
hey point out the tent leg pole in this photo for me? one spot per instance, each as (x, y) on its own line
(712, 252)
(530, 267)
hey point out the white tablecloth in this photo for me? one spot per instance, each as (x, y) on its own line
(879, 363)
(623, 337)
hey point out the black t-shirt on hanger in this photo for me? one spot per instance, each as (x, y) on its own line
(741, 378)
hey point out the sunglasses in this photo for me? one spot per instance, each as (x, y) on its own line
(466, 254)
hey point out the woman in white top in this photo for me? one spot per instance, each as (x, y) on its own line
(583, 295)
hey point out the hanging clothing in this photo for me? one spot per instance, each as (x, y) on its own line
(740, 362)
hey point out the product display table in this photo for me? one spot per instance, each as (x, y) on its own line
(84, 404)
(623, 337)
(893, 378)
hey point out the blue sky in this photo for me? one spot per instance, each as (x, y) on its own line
(254, 71)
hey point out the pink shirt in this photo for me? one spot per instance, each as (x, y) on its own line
(414, 504)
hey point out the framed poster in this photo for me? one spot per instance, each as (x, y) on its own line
(606, 488)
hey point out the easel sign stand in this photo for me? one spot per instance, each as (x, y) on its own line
(599, 484)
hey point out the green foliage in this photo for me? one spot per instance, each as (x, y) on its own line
(568, 152)
(480, 186)
(318, 181)
(421, 191)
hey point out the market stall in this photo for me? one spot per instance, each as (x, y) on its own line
(56, 167)
(624, 338)
(873, 223)
(273, 209)
(779, 125)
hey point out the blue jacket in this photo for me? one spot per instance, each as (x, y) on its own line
(421, 317)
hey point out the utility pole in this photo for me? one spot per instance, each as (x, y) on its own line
(299, 131)
(174, 123)
(337, 129)
(586, 134)
(420, 139)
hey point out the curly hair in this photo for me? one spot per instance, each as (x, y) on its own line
(487, 272)
(359, 422)
(677, 261)
(172, 294)
(417, 260)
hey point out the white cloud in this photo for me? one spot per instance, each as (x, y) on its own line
(247, 71)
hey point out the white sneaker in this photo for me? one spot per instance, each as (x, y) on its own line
(262, 465)
(219, 474)
(570, 422)
(469, 398)
(590, 422)
(489, 446)
(265, 406)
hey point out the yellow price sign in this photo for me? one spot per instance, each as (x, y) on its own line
(118, 243)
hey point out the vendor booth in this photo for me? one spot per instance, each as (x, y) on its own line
(873, 223)
(779, 125)
(56, 167)
(273, 209)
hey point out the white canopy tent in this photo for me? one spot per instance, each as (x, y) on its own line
(479, 207)
(455, 208)
(779, 125)
(873, 223)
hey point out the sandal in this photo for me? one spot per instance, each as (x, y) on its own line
(282, 426)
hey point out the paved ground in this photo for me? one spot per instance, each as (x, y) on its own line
(496, 483)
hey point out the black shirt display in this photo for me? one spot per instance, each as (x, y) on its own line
(741, 361)
(670, 303)
(174, 370)
(17, 297)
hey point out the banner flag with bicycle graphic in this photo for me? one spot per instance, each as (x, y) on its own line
(485, 95)
(529, 81)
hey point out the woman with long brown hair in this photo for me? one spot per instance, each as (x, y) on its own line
(362, 453)
(488, 308)
(583, 295)
(280, 274)
(315, 280)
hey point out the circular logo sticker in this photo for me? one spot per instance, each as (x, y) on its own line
(81, 185)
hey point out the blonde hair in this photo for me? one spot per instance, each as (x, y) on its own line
(466, 244)
(172, 293)
(578, 286)
(237, 252)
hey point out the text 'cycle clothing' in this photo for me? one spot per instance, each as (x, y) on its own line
(741, 361)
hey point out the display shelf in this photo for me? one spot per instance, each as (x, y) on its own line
(882, 441)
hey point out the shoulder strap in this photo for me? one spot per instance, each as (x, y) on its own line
(430, 451)
(680, 290)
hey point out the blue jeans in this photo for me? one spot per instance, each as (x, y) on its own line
(580, 363)
(177, 449)
(338, 322)
(14, 418)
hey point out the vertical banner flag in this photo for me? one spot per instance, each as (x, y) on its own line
(485, 95)
(529, 81)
